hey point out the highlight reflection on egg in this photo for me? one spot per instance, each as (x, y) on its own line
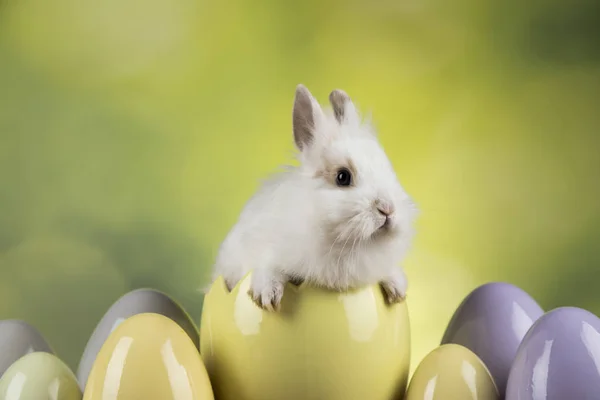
(320, 345)
(39, 376)
(491, 322)
(558, 359)
(18, 338)
(135, 302)
(452, 372)
(148, 356)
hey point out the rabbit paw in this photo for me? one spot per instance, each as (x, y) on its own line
(266, 290)
(395, 287)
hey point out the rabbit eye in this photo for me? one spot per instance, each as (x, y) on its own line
(343, 177)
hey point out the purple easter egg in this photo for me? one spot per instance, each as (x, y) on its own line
(491, 322)
(18, 338)
(559, 358)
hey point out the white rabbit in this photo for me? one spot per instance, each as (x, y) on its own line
(340, 220)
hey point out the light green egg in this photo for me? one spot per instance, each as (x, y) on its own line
(39, 376)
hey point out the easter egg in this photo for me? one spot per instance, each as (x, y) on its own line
(148, 356)
(320, 345)
(39, 376)
(135, 302)
(558, 359)
(452, 372)
(491, 322)
(18, 338)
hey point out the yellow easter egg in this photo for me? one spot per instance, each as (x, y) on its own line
(452, 372)
(321, 344)
(148, 356)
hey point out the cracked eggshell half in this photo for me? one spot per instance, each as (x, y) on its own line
(321, 344)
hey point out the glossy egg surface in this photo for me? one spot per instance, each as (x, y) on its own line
(559, 358)
(39, 376)
(452, 372)
(491, 322)
(148, 356)
(135, 302)
(320, 345)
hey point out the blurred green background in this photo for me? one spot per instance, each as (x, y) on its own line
(133, 131)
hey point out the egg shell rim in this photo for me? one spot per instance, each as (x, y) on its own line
(219, 284)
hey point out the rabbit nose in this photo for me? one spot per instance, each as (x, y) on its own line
(385, 209)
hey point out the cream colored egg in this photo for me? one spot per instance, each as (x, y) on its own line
(452, 372)
(135, 302)
(39, 376)
(148, 356)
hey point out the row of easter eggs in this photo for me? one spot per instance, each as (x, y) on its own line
(499, 344)
(145, 347)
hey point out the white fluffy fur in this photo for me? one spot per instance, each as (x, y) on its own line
(301, 225)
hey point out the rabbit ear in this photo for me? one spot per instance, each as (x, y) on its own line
(343, 108)
(306, 115)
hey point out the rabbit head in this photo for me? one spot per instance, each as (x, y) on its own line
(358, 193)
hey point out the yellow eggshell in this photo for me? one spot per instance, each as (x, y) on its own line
(452, 372)
(148, 356)
(321, 345)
